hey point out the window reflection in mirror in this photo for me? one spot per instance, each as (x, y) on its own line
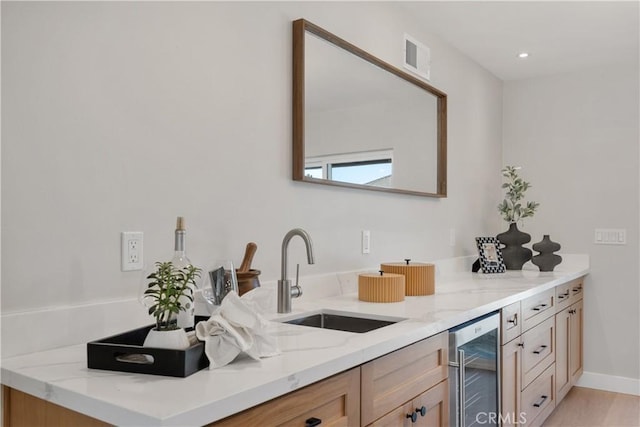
(364, 168)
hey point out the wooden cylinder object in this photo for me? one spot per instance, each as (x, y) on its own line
(420, 278)
(376, 287)
(247, 280)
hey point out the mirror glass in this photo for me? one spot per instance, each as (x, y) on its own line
(359, 122)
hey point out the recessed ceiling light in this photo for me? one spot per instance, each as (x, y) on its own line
(523, 55)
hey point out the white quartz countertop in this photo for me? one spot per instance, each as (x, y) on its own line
(307, 354)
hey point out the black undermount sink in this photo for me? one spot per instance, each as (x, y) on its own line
(339, 322)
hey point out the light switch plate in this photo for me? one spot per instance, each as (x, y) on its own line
(366, 241)
(610, 236)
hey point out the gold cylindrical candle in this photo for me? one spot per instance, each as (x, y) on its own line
(385, 287)
(420, 278)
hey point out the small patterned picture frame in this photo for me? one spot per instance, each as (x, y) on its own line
(490, 255)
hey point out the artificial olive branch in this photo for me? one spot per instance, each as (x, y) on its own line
(511, 207)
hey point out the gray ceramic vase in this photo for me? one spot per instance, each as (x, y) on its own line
(514, 254)
(546, 260)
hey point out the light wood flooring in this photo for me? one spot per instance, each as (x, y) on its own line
(585, 407)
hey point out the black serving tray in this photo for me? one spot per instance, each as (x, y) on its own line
(124, 352)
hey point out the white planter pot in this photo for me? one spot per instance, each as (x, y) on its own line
(173, 340)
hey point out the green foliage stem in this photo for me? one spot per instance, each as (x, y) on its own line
(166, 285)
(512, 208)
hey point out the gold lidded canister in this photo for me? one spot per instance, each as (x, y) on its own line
(381, 287)
(420, 278)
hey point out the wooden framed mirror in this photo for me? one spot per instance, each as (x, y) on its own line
(362, 123)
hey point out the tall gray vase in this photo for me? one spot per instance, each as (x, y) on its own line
(546, 260)
(513, 253)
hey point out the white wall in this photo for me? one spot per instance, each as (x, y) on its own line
(576, 136)
(122, 116)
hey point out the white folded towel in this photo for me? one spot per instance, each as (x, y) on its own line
(233, 328)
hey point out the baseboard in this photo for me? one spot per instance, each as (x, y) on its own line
(610, 383)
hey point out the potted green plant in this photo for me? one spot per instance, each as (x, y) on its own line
(168, 286)
(513, 209)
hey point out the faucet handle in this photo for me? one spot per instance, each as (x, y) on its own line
(296, 290)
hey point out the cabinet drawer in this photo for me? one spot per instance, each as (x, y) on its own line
(334, 401)
(510, 322)
(538, 399)
(537, 308)
(435, 402)
(394, 379)
(576, 290)
(538, 350)
(563, 295)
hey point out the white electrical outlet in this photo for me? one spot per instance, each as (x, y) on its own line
(366, 241)
(131, 250)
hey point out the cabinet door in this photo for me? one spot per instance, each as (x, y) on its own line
(396, 378)
(399, 417)
(576, 341)
(334, 402)
(22, 409)
(435, 406)
(511, 367)
(563, 372)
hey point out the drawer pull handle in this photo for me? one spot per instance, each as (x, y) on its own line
(563, 296)
(521, 344)
(539, 307)
(577, 290)
(572, 311)
(539, 404)
(513, 320)
(422, 411)
(312, 422)
(540, 349)
(413, 416)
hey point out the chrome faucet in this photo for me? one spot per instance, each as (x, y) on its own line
(285, 290)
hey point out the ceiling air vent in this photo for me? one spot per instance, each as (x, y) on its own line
(417, 57)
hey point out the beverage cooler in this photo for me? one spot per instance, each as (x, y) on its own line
(474, 372)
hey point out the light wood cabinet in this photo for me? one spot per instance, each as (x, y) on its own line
(563, 377)
(429, 409)
(576, 332)
(538, 350)
(569, 344)
(396, 379)
(539, 366)
(524, 360)
(510, 322)
(539, 398)
(510, 382)
(22, 409)
(537, 308)
(331, 402)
